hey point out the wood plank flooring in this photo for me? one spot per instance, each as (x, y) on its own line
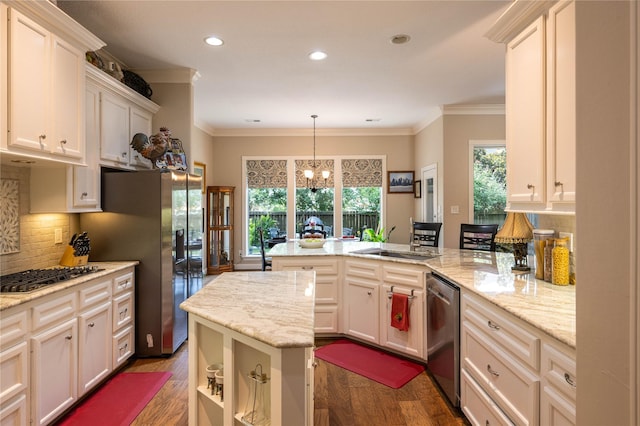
(342, 398)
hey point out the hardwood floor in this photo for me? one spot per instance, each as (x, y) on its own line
(342, 398)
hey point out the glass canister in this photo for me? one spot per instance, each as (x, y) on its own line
(548, 258)
(540, 237)
(560, 273)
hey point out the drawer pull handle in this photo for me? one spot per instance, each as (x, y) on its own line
(92, 324)
(369, 292)
(493, 325)
(63, 142)
(569, 380)
(486, 423)
(68, 337)
(493, 372)
(307, 268)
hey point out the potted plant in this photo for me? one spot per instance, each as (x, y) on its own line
(376, 235)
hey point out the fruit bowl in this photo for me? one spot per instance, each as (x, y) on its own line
(312, 242)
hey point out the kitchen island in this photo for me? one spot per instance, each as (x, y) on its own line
(517, 334)
(247, 322)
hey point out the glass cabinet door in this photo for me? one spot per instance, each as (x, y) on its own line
(220, 229)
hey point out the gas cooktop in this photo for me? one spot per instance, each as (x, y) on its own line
(34, 279)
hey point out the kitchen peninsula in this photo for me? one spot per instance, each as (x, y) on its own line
(517, 334)
(252, 321)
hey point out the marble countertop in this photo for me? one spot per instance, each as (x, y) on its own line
(8, 300)
(547, 307)
(275, 308)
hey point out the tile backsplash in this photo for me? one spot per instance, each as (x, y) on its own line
(37, 247)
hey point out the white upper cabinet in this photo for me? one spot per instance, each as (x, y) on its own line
(44, 85)
(540, 105)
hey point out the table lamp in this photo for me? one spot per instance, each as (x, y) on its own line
(517, 230)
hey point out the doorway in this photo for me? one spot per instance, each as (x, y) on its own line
(430, 206)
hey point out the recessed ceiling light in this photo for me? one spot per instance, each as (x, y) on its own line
(214, 41)
(317, 55)
(400, 39)
(253, 120)
(371, 120)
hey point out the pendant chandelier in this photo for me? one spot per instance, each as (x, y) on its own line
(311, 174)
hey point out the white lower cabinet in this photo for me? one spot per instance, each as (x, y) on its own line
(327, 269)
(511, 372)
(408, 280)
(558, 396)
(55, 348)
(361, 306)
(54, 360)
(94, 348)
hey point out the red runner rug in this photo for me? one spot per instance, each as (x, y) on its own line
(119, 401)
(371, 363)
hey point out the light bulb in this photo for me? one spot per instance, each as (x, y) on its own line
(325, 174)
(308, 174)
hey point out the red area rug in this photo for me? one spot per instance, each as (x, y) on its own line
(371, 363)
(119, 401)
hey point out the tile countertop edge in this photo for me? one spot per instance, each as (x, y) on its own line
(9, 300)
(275, 308)
(548, 308)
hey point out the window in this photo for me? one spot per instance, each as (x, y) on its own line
(280, 199)
(489, 182)
(361, 195)
(266, 201)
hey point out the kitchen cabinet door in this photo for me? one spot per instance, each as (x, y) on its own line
(114, 128)
(361, 309)
(54, 377)
(86, 180)
(94, 347)
(411, 341)
(139, 122)
(67, 101)
(561, 109)
(525, 76)
(29, 74)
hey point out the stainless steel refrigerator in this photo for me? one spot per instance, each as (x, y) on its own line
(155, 217)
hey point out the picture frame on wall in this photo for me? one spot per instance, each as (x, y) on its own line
(417, 189)
(200, 169)
(400, 182)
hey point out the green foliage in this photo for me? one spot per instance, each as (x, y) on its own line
(362, 199)
(264, 222)
(268, 199)
(490, 183)
(320, 201)
(378, 235)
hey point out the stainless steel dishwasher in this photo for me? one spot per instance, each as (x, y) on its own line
(443, 335)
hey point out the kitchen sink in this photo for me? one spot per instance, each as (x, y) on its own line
(412, 255)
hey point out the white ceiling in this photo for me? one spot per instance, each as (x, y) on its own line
(262, 72)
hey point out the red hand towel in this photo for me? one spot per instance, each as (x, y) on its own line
(400, 311)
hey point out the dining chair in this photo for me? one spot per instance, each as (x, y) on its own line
(266, 261)
(426, 234)
(478, 237)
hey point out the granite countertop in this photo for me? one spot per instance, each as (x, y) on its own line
(275, 308)
(8, 300)
(547, 307)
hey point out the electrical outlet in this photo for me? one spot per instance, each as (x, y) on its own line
(58, 236)
(455, 209)
(569, 236)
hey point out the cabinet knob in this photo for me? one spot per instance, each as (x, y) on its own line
(493, 372)
(92, 324)
(569, 380)
(41, 138)
(493, 325)
(124, 155)
(529, 186)
(68, 337)
(557, 184)
(83, 195)
(369, 292)
(63, 142)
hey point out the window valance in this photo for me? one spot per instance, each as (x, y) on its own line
(362, 172)
(302, 165)
(267, 173)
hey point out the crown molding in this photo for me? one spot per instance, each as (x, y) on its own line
(309, 132)
(174, 75)
(477, 109)
(516, 18)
